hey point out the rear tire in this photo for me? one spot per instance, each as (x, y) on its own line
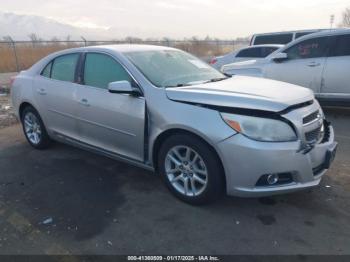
(190, 169)
(34, 129)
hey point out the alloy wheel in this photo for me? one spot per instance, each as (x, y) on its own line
(32, 128)
(186, 171)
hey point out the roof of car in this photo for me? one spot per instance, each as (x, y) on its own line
(119, 48)
(264, 45)
(123, 48)
(329, 32)
(290, 32)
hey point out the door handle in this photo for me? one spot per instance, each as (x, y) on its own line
(84, 102)
(313, 64)
(41, 91)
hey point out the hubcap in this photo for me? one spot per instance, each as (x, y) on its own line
(32, 128)
(186, 170)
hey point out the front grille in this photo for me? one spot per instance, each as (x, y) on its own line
(312, 117)
(314, 135)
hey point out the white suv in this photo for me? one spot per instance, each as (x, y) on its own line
(319, 61)
(281, 38)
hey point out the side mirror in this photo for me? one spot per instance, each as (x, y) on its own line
(280, 57)
(123, 87)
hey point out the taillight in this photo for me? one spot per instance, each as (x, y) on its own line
(213, 61)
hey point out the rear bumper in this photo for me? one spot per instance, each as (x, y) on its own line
(246, 161)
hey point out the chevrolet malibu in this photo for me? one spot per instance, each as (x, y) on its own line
(167, 111)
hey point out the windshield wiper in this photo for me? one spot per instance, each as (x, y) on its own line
(199, 82)
(215, 80)
(178, 85)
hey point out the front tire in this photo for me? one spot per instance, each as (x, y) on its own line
(34, 129)
(190, 169)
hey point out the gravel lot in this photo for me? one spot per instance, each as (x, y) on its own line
(5, 78)
(7, 117)
(65, 200)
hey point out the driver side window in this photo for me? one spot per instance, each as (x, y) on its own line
(311, 48)
(100, 70)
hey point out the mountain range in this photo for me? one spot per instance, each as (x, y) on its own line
(19, 27)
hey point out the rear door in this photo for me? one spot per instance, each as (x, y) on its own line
(336, 76)
(304, 66)
(114, 123)
(55, 91)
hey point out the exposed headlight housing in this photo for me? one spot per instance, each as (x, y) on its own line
(260, 128)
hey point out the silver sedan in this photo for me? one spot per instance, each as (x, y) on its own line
(165, 110)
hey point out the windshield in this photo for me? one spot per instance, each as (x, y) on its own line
(171, 68)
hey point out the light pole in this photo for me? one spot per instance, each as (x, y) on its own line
(332, 20)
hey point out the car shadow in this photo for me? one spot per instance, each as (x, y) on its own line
(63, 190)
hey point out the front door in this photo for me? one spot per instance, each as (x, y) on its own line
(111, 122)
(304, 65)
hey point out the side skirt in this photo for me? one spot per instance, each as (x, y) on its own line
(70, 141)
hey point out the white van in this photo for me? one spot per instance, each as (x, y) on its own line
(281, 38)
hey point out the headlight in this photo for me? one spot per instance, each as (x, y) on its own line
(259, 128)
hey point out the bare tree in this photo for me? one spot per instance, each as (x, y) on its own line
(55, 39)
(34, 38)
(345, 18)
(132, 39)
(7, 38)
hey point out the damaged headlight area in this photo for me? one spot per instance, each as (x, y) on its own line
(260, 128)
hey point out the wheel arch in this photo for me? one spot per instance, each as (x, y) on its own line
(176, 131)
(22, 106)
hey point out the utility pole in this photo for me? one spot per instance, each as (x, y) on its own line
(332, 20)
(84, 39)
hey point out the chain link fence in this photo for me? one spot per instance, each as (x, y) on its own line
(20, 55)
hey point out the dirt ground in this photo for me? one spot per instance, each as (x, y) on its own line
(68, 201)
(7, 117)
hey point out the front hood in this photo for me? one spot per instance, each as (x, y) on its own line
(243, 92)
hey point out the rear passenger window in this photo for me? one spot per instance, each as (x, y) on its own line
(251, 52)
(47, 70)
(342, 46)
(265, 51)
(63, 67)
(100, 70)
(258, 52)
(311, 48)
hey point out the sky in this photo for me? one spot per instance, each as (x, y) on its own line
(226, 19)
